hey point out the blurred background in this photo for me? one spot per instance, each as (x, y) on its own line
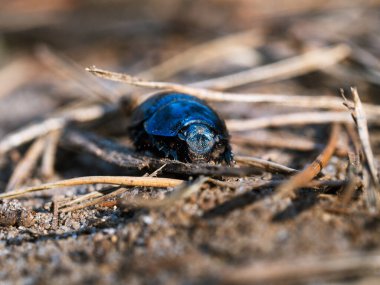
(45, 46)
(134, 36)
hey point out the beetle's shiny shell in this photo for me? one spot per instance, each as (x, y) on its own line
(156, 123)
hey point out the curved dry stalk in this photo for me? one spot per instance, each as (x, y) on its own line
(283, 69)
(289, 119)
(114, 180)
(305, 176)
(313, 102)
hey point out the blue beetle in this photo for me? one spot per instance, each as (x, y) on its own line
(182, 127)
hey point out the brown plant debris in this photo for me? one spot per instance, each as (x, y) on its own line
(305, 176)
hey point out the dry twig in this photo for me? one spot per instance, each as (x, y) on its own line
(284, 69)
(46, 126)
(361, 122)
(313, 102)
(359, 117)
(182, 191)
(265, 165)
(306, 175)
(25, 166)
(84, 200)
(103, 195)
(48, 158)
(114, 180)
(288, 119)
(354, 169)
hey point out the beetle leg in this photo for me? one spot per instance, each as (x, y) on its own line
(228, 156)
(173, 153)
(164, 148)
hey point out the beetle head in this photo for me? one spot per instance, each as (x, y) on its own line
(200, 140)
